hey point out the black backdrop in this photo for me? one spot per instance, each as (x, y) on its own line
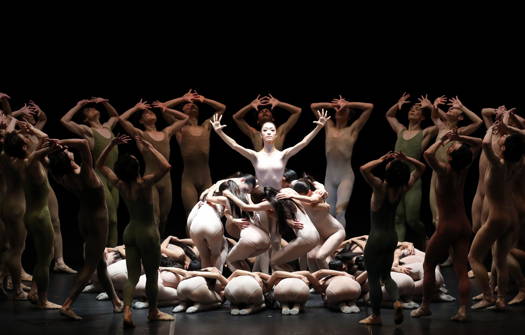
(298, 65)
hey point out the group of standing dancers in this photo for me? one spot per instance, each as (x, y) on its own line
(264, 226)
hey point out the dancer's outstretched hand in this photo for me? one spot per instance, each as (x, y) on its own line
(322, 117)
(440, 101)
(142, 105)
(121, 139)
(424, 102)
(216, 122)
(403, 100)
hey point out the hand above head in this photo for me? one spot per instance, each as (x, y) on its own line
(83, 102)
(121, 139)
(257, 102)
(272, 101)
(440, 101)
(4, 96)
(322, 117)
(188, 96)
(98, 100)
(388, 155)
(160, 105)
(216, 122)
(197, 97)
(142, 105)
(399, 155)
(424, 102)
(403, 100)
(34, 107)
(455, 103)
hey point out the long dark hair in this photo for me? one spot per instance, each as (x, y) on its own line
(232, 186)
(285, 209)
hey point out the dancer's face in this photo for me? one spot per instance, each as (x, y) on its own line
(148, 117)
(415, 113)
(268, 132)
(91, 114)
(264, 115)
(454, 114)
(191, 109)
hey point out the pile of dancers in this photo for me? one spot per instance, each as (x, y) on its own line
(272, 238)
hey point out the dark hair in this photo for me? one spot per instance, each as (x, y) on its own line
(290, 175)
(127, 168)
(211, 282)
(301, 187)
(187, 250)
(285, 209)
(14, 145)
(60, 163)
(461, 157)
(397, 174)
(195, 265)
(170, 262)
(257, 195)
(336, 264)
(248, 178)
(513, 148)
(232, 186)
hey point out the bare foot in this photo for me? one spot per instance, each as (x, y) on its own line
(32, 297)
(518, 299)
(21, 295)
(398, 312)
(128, 320)
(49, 305)
(26, 276)
(371, 320)
(500, 305)
(421, 311)
(118, 306)
(62, 267)
(461, 315)
(471, 274)
(157, 315)
(478, 297)
(483, 303)
(70, 313)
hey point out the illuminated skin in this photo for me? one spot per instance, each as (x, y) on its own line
(446, 121)
(141, 236)
(269, 163)
(412, 141)
(194, 144)
(160, 139)
(454, 230)
(93, 223)
(264, 107)
(340, 289)
(502, 225)
(97, 134)
(339, 144)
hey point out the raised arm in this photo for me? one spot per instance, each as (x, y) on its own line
(112, 112)
(366, 170)
(82, 146)
(320, 123)
(38, 114)
(216, 123)
(295, 113)
(511, 116)
(178, 121)
(101, 161)
(211, 275)
(163, 164)
(366, 111)
(239, 120)
(437, 114)
(430, 157)
(476, 120)
(72, 126)
(128, 126)
(487, 146)
(4, 103)
(391, 113)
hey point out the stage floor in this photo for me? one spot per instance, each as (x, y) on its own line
(23, 318)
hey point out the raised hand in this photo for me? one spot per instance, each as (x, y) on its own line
(440, 101)
(399, 155)
(83, 102)
(387, 156)
(322, 117)
(216, 122)
(98, 100)
(257, 102)
(142, 105)
(403, 100)
(197, 97)
(4, 96)
(452, 135)
(188, 96)
(272, 101)
(121, 139)
(160, 105)
(455, 103)
(424, 102)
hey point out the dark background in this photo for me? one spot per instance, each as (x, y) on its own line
(298, 58)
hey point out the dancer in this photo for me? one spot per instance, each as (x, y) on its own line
(162, 192)
(264, 107)
(92, 216)
(454, 227)
(194, 143)
(382, 241)
(98, 136)
(340, 140)
(411, 141)
(141, 235)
